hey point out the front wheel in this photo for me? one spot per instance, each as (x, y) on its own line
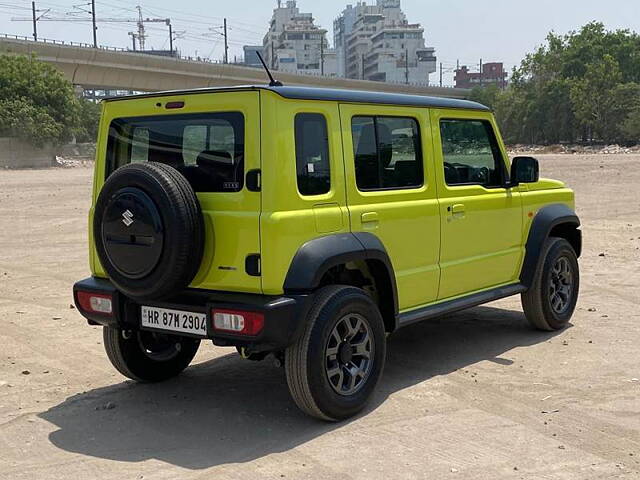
(335, 365)
(148, 356)
(551, 300)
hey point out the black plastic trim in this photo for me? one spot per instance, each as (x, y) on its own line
(284, 314)
(253, 180)
(545, 220)
(458, 304)
(317, 256)
(252, 265)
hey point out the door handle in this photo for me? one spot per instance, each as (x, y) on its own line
(369, 217)
(457, 208)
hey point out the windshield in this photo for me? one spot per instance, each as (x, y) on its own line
(208, 149)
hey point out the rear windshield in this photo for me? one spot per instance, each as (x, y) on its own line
(208, 149)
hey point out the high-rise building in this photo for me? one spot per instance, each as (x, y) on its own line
(295, 44)
(251, 55)
(377, 42)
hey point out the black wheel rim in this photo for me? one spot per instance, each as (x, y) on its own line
(158, 346)
(349, 354)
(561, 285)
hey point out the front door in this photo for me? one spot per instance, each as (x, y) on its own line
(481, 220)
(391, 192)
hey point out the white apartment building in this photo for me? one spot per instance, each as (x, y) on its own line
(295, 44)
(376, 42)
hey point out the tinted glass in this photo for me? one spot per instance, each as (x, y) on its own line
(471, 153)
(208, 149)
(387, 153)
(312, 154)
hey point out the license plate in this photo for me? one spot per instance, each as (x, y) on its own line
(174, 320)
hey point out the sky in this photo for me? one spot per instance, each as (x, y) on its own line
(464, 30)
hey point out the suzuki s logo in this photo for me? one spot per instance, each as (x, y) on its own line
(127, 218)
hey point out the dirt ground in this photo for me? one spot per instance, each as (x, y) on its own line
(476, 395)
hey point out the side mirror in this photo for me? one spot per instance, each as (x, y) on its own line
(524, 170)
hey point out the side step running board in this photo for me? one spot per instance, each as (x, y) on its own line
(463, 303)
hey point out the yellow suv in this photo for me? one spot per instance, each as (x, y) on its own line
(306, 224)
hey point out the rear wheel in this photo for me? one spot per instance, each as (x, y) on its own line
(550, 302)
(334, 367)
(148, 356)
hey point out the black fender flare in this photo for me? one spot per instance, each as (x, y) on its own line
(317, 256)
(543, 223)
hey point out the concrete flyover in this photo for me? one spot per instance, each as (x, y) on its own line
(122, 70)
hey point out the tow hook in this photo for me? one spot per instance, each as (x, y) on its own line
(127, 334)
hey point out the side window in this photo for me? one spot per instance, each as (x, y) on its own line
(471, 153)
(312, 154)
(387, 153)
(140, 145)
(194, 141)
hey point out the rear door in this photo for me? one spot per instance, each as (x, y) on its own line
(213, 139)
(391, 192)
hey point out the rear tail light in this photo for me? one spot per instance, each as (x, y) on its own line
(239, 322)
(95, 303)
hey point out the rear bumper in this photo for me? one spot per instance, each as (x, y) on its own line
(283, 314)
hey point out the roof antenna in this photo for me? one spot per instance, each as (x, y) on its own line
(273, 82)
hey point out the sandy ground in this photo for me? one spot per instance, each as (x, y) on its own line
(477, 395)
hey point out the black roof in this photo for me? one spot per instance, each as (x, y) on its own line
(332, 94)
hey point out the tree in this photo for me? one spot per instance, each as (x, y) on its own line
(88, 120)
(593, 98)
(485, 95)
(583, 85)
(37, 104)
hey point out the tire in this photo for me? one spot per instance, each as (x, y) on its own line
(148, 230)
(317, 353)
(550, 302)
(146, 356)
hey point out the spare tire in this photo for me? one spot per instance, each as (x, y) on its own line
(148, 230)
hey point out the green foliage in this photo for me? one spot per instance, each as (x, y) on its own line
(631, 126)
(581, 86)
(86, 130)
(485, 95)
(38, 105)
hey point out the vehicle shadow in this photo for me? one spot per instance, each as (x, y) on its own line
(229, 410)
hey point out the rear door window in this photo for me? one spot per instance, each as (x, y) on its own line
(208, 149)
(387, 153)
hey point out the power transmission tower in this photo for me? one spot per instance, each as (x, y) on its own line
(35, 18)
(93, 21)
(140, 36)
(226, 43)
(215, 31)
